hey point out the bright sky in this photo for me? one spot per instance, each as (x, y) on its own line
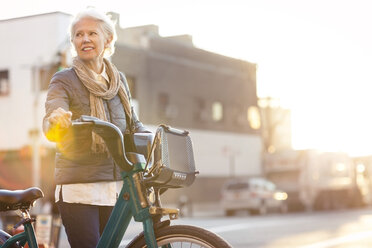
(315, 55)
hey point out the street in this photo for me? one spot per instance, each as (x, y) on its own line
(343, 228)
(346, 228)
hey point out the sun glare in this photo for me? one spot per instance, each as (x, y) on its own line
(308, 54)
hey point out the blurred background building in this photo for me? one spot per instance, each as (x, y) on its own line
(29, 53)
(235, 134)
(171, 80)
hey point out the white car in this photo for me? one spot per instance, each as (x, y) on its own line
(256, 195)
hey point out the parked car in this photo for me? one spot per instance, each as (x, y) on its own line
(256, 195)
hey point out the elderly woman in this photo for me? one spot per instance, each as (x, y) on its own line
(87, 178)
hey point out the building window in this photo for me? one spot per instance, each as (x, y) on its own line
(200, 112)
(217, 111)
(254, 118)
(166, 110)
(4, 83)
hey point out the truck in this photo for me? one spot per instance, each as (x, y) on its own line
(314, 180)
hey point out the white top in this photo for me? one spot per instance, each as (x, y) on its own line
(99, 193)
(102, 77)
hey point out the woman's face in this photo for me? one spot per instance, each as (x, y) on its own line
(89, 40)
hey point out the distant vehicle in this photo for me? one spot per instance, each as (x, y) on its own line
(256, 195)
(314, 180)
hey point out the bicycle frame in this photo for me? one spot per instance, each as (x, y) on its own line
(131, 203)
(128, 205)
(28, 236)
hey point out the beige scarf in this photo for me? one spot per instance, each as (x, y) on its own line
(98, 92)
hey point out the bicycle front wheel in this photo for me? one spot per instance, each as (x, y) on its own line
(183, 236)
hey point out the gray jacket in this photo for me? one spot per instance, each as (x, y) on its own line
(75, 162)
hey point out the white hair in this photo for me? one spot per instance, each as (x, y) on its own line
(105, 22)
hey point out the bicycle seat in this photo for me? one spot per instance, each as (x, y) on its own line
(19, 199)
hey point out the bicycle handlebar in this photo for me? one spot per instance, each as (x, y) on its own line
(112, 136)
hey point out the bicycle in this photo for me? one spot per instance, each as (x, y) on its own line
(145, 179)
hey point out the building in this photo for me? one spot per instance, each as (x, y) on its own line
(172, 82)
(29, 48)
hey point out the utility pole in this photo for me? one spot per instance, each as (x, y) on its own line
(35, 133)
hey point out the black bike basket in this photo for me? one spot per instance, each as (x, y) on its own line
(174, 164)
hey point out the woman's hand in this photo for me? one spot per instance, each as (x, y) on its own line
(60, 117)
